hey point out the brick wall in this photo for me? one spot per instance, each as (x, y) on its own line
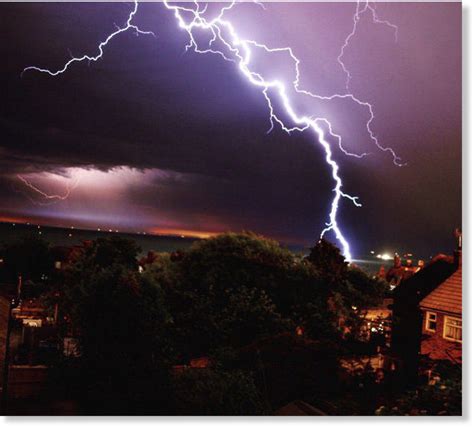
(434, 345)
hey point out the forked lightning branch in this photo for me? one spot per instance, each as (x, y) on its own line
(224, 40)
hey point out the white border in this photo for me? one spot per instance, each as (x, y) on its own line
(356, 422)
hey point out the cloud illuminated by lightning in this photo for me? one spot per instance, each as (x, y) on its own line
(225, 41)
(47, 198)
(53, 198)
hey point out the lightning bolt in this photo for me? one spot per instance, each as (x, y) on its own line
(119, 30)
(53, 198)
(49, 198)
(225, 41)
(368, 8)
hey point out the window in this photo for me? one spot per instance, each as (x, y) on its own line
(32, 323)
(431, 319)
(452, 329)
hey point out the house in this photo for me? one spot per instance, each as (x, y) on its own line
(442, 319)
(416, 299)
(195, 363)
(402, 270)
(377, 322)
(299, 408)
(27, 341)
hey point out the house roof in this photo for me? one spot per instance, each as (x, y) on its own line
(414, 289)
(299, 408)
(447, 297)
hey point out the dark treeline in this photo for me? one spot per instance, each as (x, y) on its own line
(270, 326)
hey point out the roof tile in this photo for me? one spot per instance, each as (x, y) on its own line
(447, 297)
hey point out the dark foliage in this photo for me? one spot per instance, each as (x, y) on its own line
(441, 395)
(237, 299)
(214, 392)
(30, 257)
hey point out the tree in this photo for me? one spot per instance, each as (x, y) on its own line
(30, 257)
(104, 252)
(120, 319)
(328, 260)
(288, 367)
(346, 287)
(443, 398)
(362, 290)
(233, 289)
(215, 392)
(229, 290)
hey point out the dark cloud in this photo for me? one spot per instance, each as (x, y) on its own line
(201, 128)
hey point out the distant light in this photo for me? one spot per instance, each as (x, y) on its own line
(386, 256)
(372, 252)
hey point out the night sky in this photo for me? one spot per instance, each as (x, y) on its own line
(156, 139)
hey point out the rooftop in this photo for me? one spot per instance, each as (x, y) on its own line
(447, 297)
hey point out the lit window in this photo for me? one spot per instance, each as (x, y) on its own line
(431, 319)
(453, 329)
(32, 323)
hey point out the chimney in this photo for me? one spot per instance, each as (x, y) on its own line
(458, 251)
(18, 289)
(397, 262)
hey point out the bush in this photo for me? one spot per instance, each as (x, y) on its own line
(216, 392)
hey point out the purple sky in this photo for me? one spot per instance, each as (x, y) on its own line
(152, 138)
